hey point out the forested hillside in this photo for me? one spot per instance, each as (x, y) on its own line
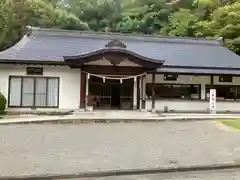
(194, 18)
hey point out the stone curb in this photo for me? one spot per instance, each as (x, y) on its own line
(125, 172)
(78, 120)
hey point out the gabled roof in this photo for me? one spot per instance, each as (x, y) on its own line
(53, 45)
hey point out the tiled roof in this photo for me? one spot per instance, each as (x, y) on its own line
(52, 45)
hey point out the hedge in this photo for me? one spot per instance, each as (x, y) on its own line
(3, 102)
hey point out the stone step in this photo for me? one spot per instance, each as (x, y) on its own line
(113, 113)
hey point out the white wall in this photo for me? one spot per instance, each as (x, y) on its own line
(194, 105)
(69, 87)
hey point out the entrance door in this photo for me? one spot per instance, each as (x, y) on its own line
(115, 96)
(127, 94)
(112, 94)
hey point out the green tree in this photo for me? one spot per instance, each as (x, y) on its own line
(205, 7)
(181, 23)
(200, 18)
(16, 15)
(12, 24)
(147, 16)
(42, 14)
(100, 15)
(224, 22)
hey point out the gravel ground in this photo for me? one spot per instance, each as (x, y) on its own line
(40, 149)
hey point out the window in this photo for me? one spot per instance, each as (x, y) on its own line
(224, 92)
(33, 91)
(34, 71)
(175, 91)
(170, 77)
(225, 78)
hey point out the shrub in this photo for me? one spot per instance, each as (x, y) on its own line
(3, 102)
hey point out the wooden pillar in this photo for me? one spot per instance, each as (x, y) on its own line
(212, 80)
(135, 93)
(83, 90)
(153, 92)
(144, 92)
(86, 92)
(140, 91)
(203, 92)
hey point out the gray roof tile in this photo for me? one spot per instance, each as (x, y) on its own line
(52, 45)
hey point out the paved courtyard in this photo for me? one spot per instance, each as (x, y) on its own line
(66, 148)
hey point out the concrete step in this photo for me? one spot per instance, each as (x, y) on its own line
(115, 113)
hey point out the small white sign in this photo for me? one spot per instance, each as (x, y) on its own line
(212, 101)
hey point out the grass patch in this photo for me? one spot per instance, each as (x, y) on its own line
(235, 123)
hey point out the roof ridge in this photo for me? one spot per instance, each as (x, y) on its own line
(132, 36)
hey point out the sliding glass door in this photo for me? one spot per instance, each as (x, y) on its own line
(33, 91)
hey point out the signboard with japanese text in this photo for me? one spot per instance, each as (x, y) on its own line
(212, 101)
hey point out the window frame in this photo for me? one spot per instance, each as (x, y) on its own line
(221, 79)
(34, 91)
(34, 71)
(172, 84)
(174, 77)
(213, 86)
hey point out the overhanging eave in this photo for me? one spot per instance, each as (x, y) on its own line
(134, 57)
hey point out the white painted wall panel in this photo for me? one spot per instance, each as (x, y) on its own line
(69, 87)
(194, 106)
